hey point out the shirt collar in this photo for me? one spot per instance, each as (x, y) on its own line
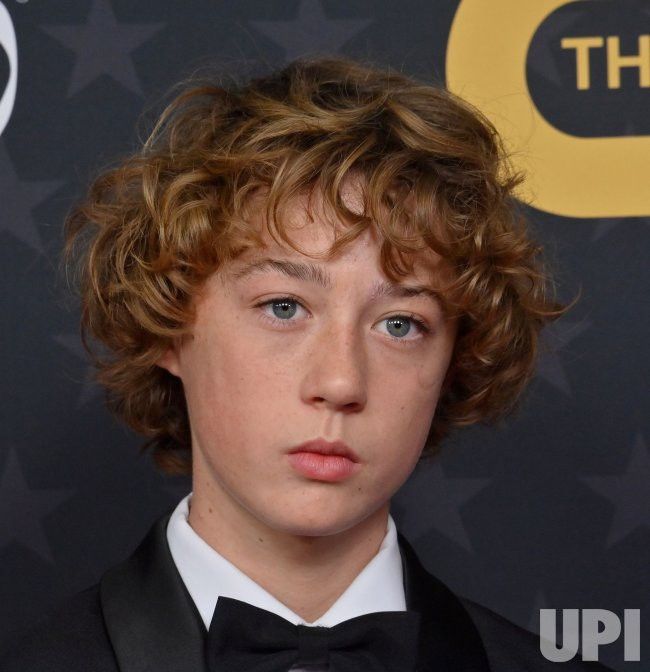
(207, 575)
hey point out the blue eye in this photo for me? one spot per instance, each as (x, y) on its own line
(398, 326)
(284, 308)
(400, 323)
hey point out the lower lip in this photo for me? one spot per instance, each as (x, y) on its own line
(323, 467)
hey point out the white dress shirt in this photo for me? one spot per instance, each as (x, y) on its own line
(208, 575)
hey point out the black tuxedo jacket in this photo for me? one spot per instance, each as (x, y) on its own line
(140, 618)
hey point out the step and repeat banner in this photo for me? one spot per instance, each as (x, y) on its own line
(549, 509)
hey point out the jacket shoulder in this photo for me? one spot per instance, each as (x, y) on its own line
(511, 648)
(72, 637)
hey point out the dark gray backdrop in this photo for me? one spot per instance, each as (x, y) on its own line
(550, 509)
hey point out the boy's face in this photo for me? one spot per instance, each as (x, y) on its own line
(261, 378)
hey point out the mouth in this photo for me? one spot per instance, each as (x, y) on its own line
(322, 460)
(324, 447)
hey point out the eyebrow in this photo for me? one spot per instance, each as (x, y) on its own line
(317, 275)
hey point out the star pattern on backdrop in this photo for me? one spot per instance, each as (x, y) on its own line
(311, 31)
(103, 46)
(28, 507)
(19, 198)
(439, 501)
(628, 492)
(89, 388)
(555, 338)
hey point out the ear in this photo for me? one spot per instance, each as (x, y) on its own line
(170, 360)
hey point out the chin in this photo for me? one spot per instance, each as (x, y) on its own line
(313, 521)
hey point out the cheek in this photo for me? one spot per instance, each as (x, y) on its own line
(408, 403)
(232, 381)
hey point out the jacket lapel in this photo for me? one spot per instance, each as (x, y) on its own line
(150, 617)
(154, 626)
(449, 641)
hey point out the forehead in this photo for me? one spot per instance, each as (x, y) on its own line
(361, 256)
(320, 275)
(359, 261)
(312, 226)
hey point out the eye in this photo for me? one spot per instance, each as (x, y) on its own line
(280, 310)
(398, 326)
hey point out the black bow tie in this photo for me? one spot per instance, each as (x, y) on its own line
(244, 638)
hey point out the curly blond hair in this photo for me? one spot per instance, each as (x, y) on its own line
(153, 228)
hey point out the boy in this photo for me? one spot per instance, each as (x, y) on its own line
(302, 283)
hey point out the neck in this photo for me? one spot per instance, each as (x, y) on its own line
(306, 573)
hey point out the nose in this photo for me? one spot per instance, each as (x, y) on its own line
(335, 371)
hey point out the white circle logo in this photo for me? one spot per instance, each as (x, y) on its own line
(8, 43)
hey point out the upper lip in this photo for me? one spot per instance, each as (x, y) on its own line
(326, 448)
